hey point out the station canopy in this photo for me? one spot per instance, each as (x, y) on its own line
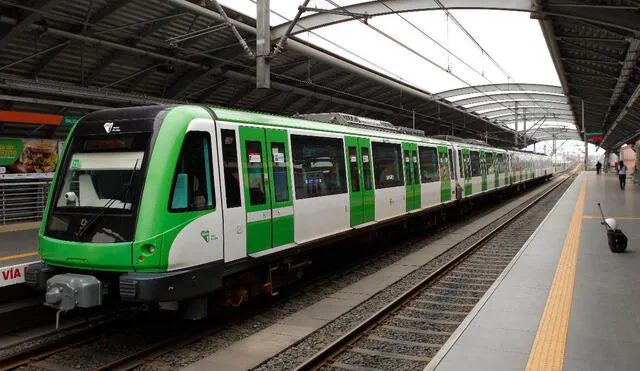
(71, 57)
(536, 112)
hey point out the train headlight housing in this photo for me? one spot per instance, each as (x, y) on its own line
(148, 249)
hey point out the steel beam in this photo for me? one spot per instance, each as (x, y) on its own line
(520, 97)
(25, 23)
(389, 7)
(51, 102)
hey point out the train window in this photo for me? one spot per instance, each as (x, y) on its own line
(489, 160)
(318, 166)
(463, 172)
(280, 180)
(451, 168)
(387, 165)
(407, 167)
(353, 169)
(366, 167)
(255, 172)
(475, 163)
(230, 162)
(416, 166)
(193, 178)
(429, 165)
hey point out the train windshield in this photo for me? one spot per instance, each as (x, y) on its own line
(104, 180)
(98, 188)
(102, 173)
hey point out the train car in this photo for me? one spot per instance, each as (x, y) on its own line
(169, 204)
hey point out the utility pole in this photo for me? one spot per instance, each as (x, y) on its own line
(263, 46)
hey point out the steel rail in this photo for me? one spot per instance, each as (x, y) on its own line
(325, 356)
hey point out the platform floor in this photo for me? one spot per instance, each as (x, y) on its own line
(566, 301)
(18, 243)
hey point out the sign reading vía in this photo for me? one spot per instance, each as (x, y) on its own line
(30, 158)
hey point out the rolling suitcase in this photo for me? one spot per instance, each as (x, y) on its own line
(617, 239)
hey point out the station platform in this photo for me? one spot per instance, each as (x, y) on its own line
(565, 301)
(18, 248)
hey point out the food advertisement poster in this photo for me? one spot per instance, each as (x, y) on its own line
(29, 158)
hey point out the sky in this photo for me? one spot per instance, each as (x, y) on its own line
(416, 55)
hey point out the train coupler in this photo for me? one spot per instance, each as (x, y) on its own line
(69, 291)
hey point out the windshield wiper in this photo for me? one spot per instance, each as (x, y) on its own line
(124, 191)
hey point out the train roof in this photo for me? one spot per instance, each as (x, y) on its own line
(307, 123)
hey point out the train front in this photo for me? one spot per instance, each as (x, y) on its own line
(88, 229)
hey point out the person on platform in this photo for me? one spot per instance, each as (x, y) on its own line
(622, 174)
(598, 167)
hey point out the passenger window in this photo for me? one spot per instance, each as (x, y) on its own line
(407, 167)
(443, 165)
(192, 187)
(416, 166)
(366, 167)
(318, 166)
(231, 171)
(255, 173)
(429, 165)
(353, 169)
(463, 171)
(475, 163)
(451, 168)
(387, 165)
(280, 180)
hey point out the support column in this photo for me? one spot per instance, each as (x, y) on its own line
(263, 46)
(586, 144)
(636, 149)
(607, 161)
(524, 124)
(516, 136)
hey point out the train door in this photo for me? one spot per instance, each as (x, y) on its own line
(453, 171)
(360, 188)
(445, 174)
(368, 194)
(495, 159)
(483, 169)
(464, 158)
(412, 175)
(269, 206)
(235, 218)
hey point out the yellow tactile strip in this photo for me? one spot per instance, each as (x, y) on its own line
(18, 256)
(547, 352)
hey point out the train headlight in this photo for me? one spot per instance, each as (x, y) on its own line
(148, 249)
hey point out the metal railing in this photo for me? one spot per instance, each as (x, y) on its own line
(22, 200)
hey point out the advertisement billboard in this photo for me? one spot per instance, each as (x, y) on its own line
(28, 158)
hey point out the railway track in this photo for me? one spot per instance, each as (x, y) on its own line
(408, 332)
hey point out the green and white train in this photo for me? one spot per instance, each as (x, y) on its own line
(171, 204)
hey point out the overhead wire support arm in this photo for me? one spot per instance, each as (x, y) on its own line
(345, 13)
(283, 40)
(243, 43)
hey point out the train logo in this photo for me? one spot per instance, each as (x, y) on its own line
(205, 235)
(108, 126)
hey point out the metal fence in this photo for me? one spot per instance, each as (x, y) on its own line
(22, 200)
